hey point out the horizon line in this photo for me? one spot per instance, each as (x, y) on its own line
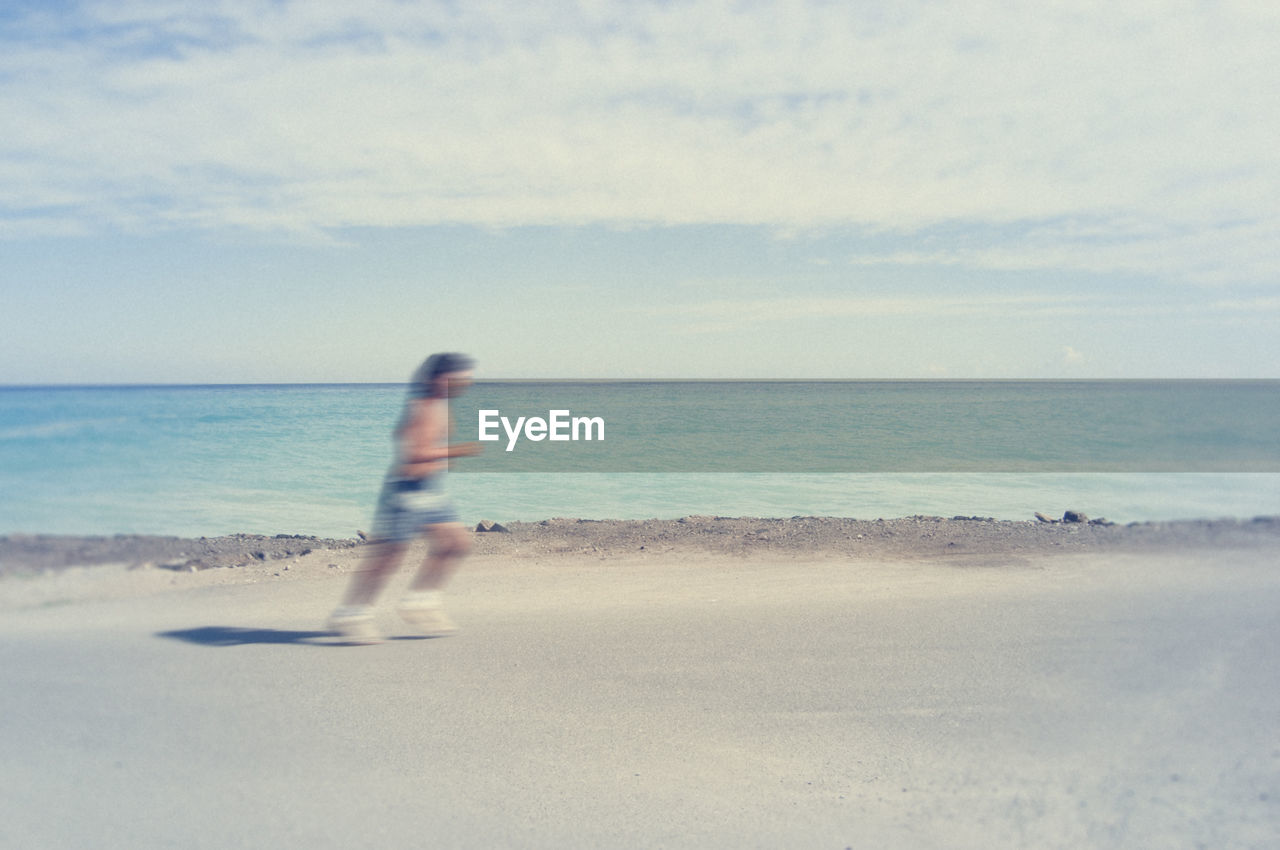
(480, 381)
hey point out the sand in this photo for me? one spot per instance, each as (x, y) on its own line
(733, 683)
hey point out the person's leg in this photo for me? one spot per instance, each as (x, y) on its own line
(353, 619)
(421, 606)
(376, 567)
(450, 542)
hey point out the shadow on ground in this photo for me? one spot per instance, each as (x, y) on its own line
(240, 636)
(237, 636)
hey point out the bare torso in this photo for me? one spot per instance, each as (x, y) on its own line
(424, 439)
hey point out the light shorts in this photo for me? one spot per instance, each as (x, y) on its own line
(407, 505)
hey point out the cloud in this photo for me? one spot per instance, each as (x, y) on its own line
(1152, 122)
(1159, 249)
(729, 314)
(1247, 305)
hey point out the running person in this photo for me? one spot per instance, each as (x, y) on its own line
(412, 502)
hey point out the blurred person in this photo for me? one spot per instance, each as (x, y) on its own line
(413, 502)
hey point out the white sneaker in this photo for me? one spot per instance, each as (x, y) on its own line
(424, 611)
(354, 624)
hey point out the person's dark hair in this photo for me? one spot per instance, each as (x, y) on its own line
(434, 366)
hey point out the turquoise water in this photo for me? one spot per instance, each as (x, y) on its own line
(888, 426)
(309, 458)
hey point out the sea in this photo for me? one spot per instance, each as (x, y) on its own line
(309, 458)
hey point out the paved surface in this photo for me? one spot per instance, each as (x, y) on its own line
(1070, 701)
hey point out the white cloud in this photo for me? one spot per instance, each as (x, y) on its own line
(735, 313)
(1247, 305)
(1154, 122)
(730, 314)
(1222, 253)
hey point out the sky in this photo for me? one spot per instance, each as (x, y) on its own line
(231, 191)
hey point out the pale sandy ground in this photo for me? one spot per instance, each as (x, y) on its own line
(994, 697)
